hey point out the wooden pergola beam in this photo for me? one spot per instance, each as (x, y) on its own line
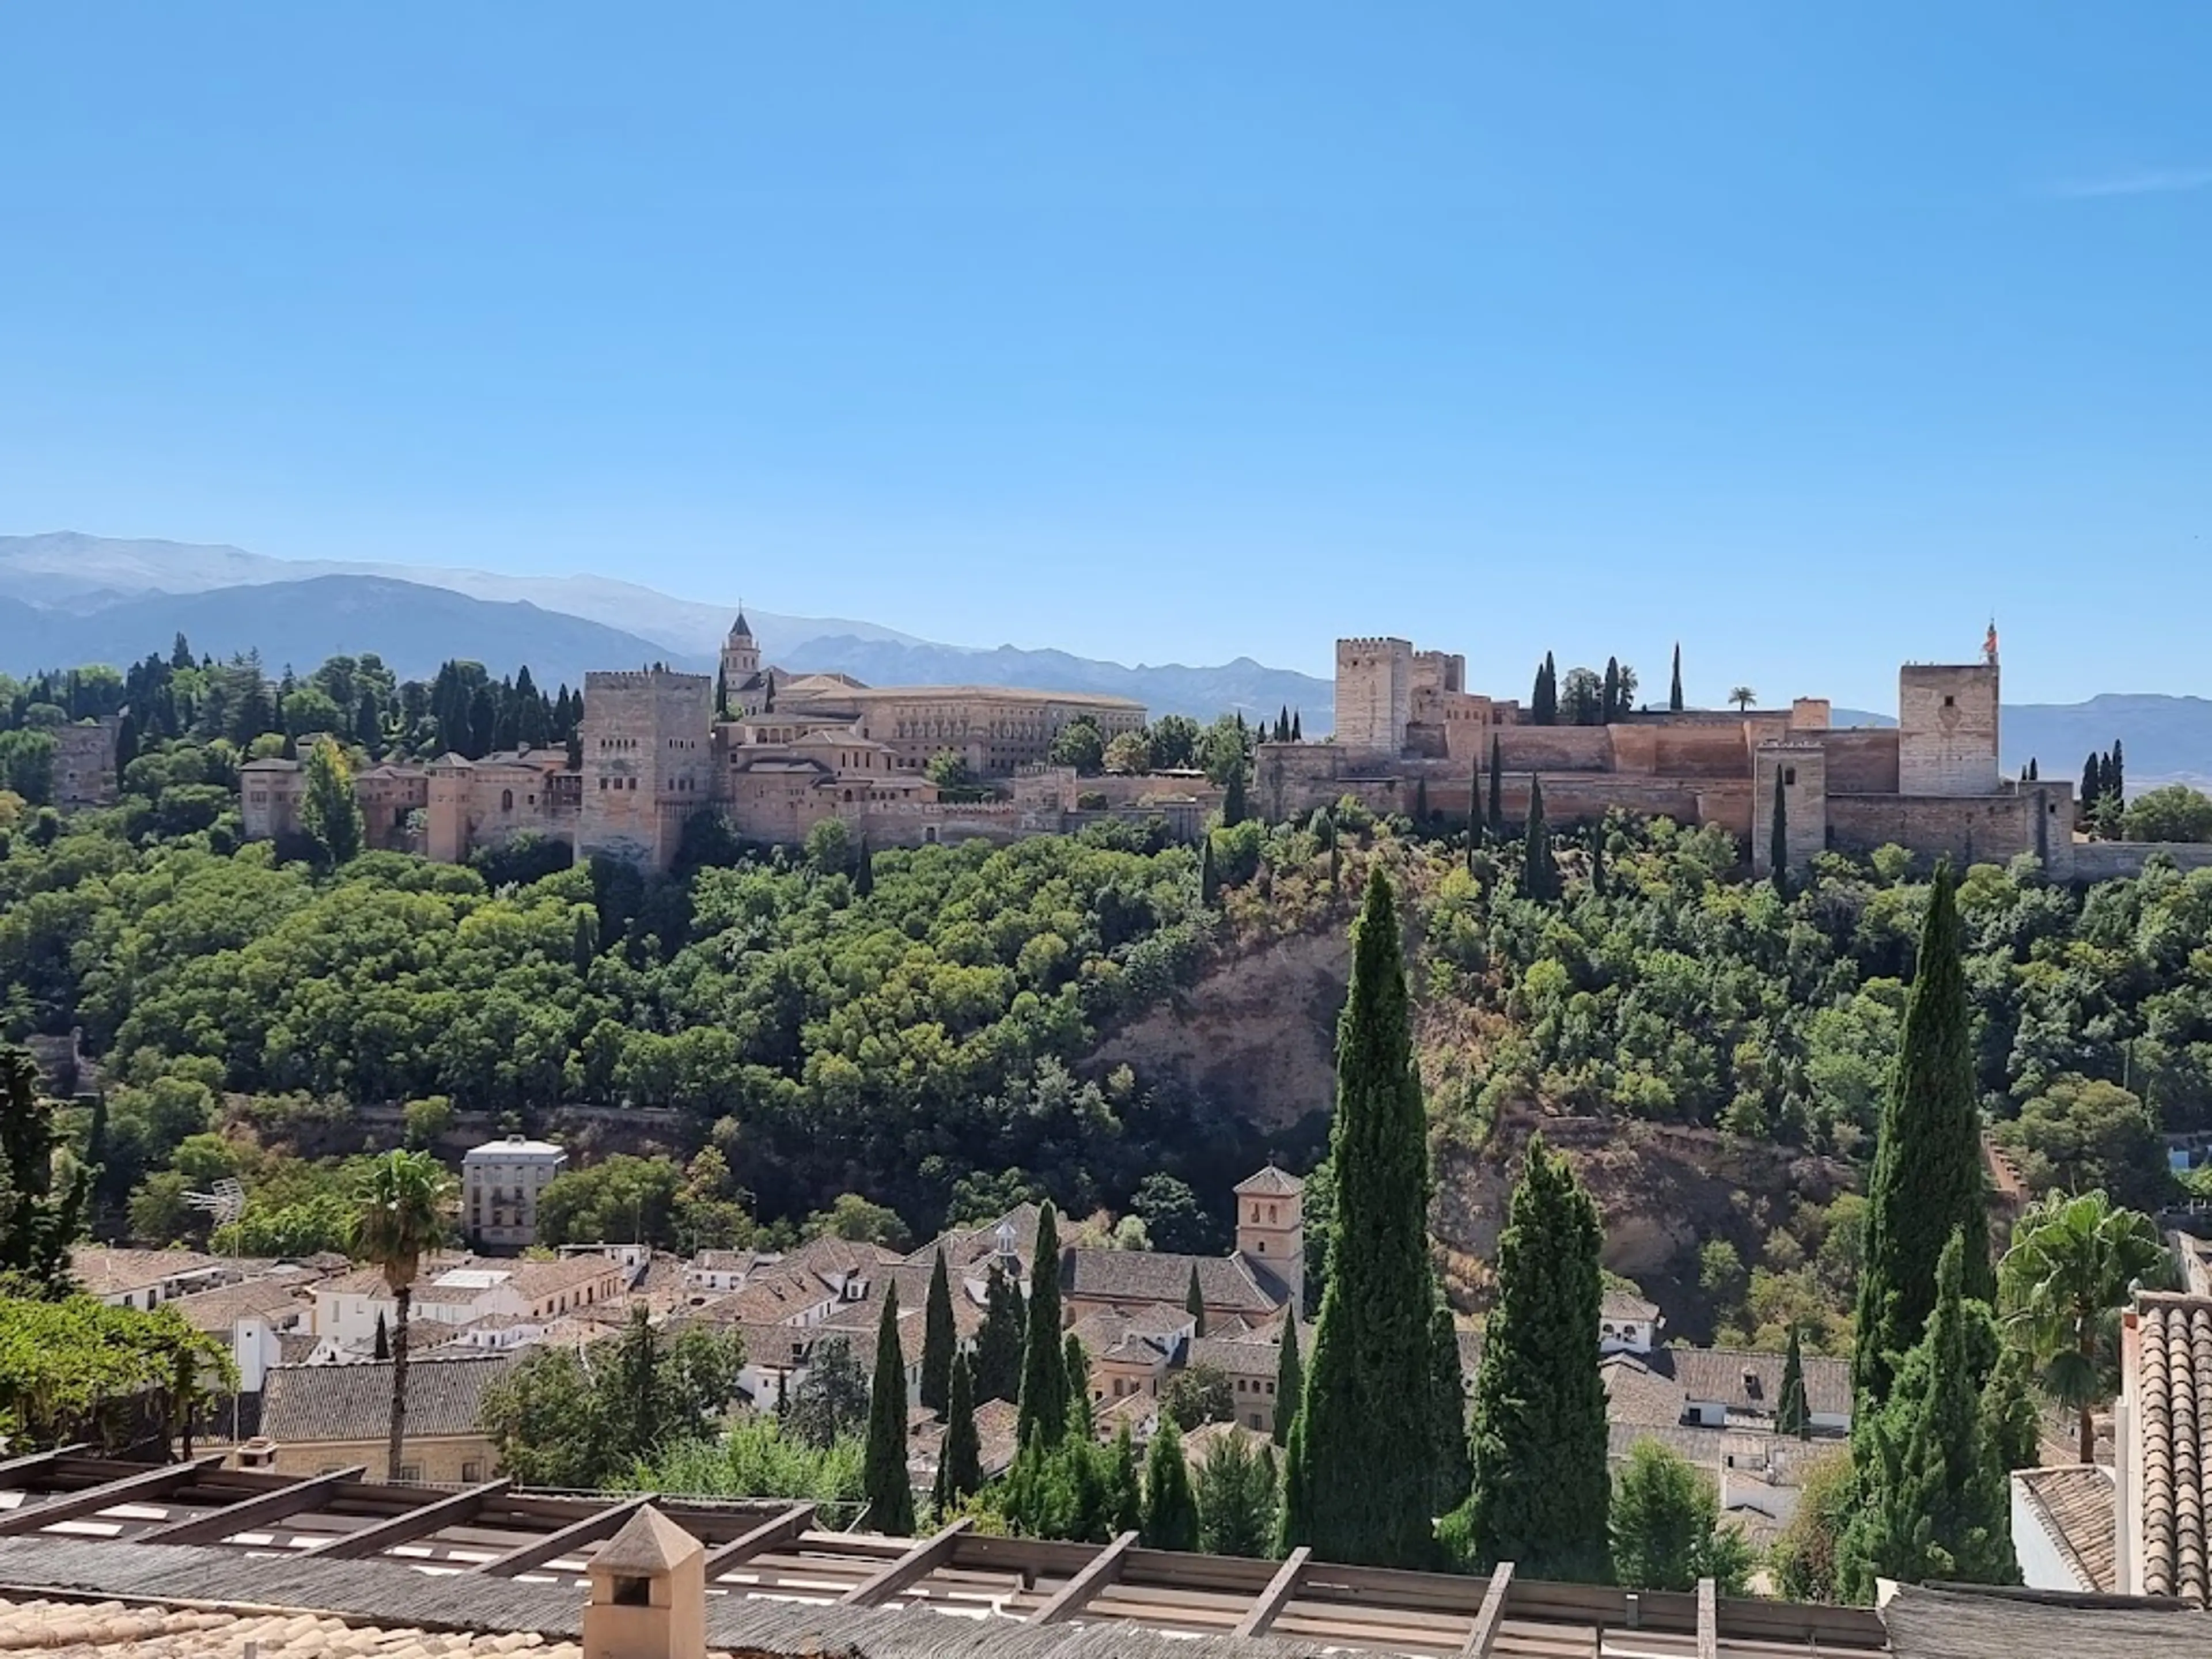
(90, 1500)
(1276, 1597)
(1708, 1620)
(1100, 1570)
(407, 1525)
(32, 1463)
(772, 1533)
(1480, 1639)
(255, 1512)
(893, 1577)
(601, 1523)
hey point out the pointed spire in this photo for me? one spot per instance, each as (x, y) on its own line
(741, 630)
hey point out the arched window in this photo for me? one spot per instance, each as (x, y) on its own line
(507, 800)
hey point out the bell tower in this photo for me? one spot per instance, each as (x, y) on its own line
(1271, 1229)
(740, 654)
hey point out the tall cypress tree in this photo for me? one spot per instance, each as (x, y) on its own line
(1497, 792)
(1539, 870)
(1791, 1415)
(1234, 808)
(722, 693)
(1297, 734)
(1611, 695)
(863, 869)
(1674, 692)
(1193, 1304)
(1044, 1372)
(939, 1340)
(39, 1219)
(1420, 801)
(1363, 1444)
(1777, 840)
(2119, 789)
(1455, 1469)
(2092, 783)
(883, 1481)
(1540, 1489)
(960, 1463)
(1209, 873)
(997, 1368)
(1936, 1502)
(1171, 1507)
(1290, 1378)
(1075, 1366)
(1927, 1183)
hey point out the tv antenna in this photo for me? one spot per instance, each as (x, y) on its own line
(224, 1204)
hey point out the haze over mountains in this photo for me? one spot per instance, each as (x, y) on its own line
(67, 599)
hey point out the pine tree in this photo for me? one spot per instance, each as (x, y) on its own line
(939, 1340)
(1674, 692)
(1044, 1373)
(1934, 1497)
(1209, 873)
(1170, 1520)
(999, 1345)
(1777, 840)
(41, 1212)
(328, 811)
(1539, 869)
(1927, 1183)
(960, 1462)
(1193, 1304)
(883, 1481)
(1455, 1469)
(1497, 792)
(1290, 1378)
(1362, 1449)
(1791, 1415)
(1233, 807)
(1540, 1487)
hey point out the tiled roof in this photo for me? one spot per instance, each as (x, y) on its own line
(104, 1272)
(1745, 1381)
(2076, 1505)
(77, 1630)
(1134, 1276)
(1626, 1304)
(2174, 1357)
(1638, 1395)
(1270, 1183)
(221, 1309)
(309, 1403)
(1234, 1357)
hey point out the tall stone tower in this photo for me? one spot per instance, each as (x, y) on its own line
(740, 655)
(648, 763)
(1374, 693)
(1271, 1229)
(1946, 716)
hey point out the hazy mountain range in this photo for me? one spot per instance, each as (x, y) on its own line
(67, 599)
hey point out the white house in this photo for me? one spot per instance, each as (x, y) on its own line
(461, 1289)
(501, 1183)
(146, 1278)
(253, 1317)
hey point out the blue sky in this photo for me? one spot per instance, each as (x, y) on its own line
(1808, 335)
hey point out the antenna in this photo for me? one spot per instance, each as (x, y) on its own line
(224, 1204)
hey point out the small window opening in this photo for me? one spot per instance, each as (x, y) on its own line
(633, 1592)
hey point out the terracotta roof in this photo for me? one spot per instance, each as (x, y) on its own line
(104, 1272)
(2076, 1505)
(1134, 1276)
(1270, 1183)
(309, 1403)
(74, 1629)
(222, 1307)
(2174, 1357)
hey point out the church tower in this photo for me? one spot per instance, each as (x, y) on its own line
(740, 656)
(1271, 1229)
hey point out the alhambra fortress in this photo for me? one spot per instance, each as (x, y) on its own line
(790, 751)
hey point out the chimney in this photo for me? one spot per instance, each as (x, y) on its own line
(648, 1593)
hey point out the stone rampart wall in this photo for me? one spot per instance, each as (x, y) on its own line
(1861, 760)
(2108, 860)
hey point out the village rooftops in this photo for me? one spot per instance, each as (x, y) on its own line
(104, 1272)
(444, 1396)
(2075, 1503)
(1137, 1277)
(223, 1307)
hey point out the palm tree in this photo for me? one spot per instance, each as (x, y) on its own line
(1743, 696)
(2073, 1265)
(399, 1220)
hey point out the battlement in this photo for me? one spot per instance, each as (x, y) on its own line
(640, 679)
(1373, 641)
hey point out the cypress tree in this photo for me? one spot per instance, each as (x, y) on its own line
(1474, 812)
(1597, 861)
(883, 1481)
(1497, 792)
(1455, 1470)
(1611, 705)
(1044, 1371)
(722, 694)
(1927, 1180)
(1297, 736)
(960, 1464)
(2092, 783)
(39, 1215)
(1283, 725)
(2034, 775)
(1193, 1304)
(1540, 1487)
(2119, 790)
(864, 870)
(1075, 1366)
(1540, 871)
(1936, 1502)
(1674, 692)
(1125, 1486)
(1777, 840)
(1791, 1417)
(1335, 860)
(1361, 1452)
(1420, 801)
(1233, 807)
(939, 1340)
(1290, 1378)
(1209, 873)
(997, 1368)
(380, 1347)
(1170, 1520)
